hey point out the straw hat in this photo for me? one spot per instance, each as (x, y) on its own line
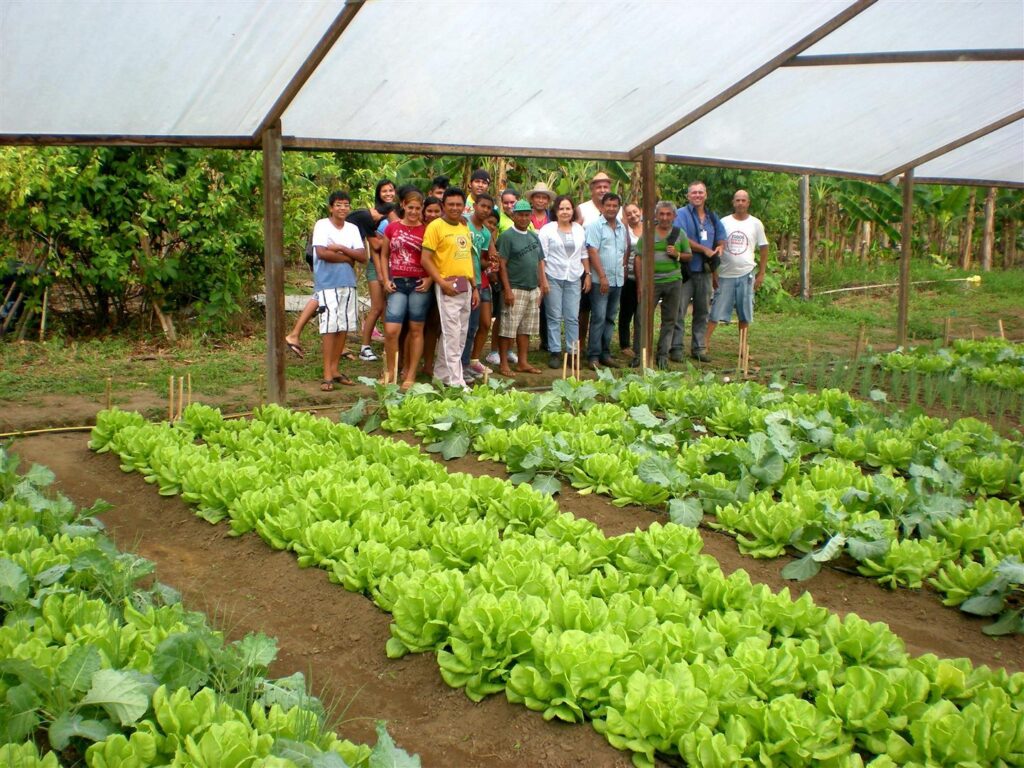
(541, 189)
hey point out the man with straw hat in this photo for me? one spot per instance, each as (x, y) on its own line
(736, 281)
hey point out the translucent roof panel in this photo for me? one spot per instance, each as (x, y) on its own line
(151, 68)
(902, 25)
(996, 157)
(867, 119)
(595, 76)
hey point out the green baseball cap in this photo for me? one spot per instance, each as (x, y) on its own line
(521, 205)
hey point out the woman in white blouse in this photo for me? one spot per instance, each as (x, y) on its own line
(565, 262)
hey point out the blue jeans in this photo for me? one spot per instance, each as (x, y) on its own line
(563, 306)
(604, 308)
(698, 290)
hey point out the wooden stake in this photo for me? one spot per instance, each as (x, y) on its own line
(565, 364)
(108, 393)
(860, 342)
(170, 398)
(739, 354)
(394, 368)
(181, 396)
(947, 332)
(746, 351)
(42, 319)
(188, 384)
(1002, 330)
(643, 360)
(261, 390)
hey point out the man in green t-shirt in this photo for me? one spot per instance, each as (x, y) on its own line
(524, 284)
(669, 243)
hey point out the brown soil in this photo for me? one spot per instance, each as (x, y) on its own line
(337, 638)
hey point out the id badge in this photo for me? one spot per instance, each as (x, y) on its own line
(703, 235)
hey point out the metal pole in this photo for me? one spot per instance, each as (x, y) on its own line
(905, 251)
(273, 261)
(805, 237)
(650, 194)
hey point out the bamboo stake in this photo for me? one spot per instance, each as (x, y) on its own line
(643, 360)
(394, 369)
(1002, 330)
(170, 398)
(181, 396)
(947, 332)
(189, 385)
(108, 392)
(42, 319)
(808, 350)
(860, 342)
(746, 351)
(565, 364)
(739, 354)
(260, 391)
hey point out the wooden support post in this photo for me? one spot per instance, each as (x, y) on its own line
(273, 261)
(646, 309)
(947, 332)
(1002, 329)
(989, 237)
(805, 237)
(907, 236)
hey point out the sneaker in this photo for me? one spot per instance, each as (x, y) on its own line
(470, 375)
(477, 367)
(513, 357)
(493, 358)
(607, 362)
(701, 357)
(376, 335)
(555, 360)
(368, 355)
(676, 357)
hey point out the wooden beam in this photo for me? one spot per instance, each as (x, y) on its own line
(713, 162)
(292, 143)
(986, 183)
(906, 246)
(117, 140)
(805, 237)
(320, 50)
(907, 57)
(650, 198)
(273, 261)
(956, 143)
(758, 74)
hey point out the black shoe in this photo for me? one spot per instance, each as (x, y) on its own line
(662, 363)
(634, 362)
(676, 357)
(701, 357)
(593, 362)
(555, 360)
(607, 362)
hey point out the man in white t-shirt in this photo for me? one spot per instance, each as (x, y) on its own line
(735, 281)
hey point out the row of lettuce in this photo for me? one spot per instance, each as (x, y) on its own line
(641, 634)
(991, 362)
(98, 670)
(904, 499)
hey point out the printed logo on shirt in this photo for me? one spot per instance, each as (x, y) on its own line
(737, 242)
(461, 242)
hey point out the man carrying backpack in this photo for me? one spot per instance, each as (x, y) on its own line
(706, 234)
(670, 247)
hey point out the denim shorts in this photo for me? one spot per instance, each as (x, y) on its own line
(406, 303)
(733, 292)
(485, 294)
(371, 270)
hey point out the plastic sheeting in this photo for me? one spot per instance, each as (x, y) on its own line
(595, 77)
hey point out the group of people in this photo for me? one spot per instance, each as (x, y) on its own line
(451, 270)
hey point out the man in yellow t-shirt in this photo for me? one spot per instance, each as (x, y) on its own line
(447, 257)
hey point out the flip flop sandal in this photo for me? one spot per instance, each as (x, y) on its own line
(296, 349)
(327, 386)
(341, 378)
(346, 355)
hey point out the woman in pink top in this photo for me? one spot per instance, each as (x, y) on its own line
(407, 286)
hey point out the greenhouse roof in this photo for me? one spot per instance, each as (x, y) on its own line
(865, 89)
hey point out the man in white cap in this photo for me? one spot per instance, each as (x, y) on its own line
(591, 210)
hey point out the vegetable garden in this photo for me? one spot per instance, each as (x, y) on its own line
(641, 634)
